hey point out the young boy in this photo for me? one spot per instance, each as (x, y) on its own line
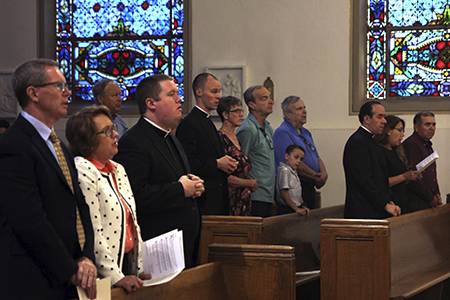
(289, 189)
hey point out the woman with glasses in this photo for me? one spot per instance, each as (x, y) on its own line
(240, 185)
(104, 183)
(396, 163)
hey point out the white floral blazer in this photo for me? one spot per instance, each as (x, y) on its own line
(107, 215)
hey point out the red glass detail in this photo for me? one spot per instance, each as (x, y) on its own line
(144, 5)
(175, 23)
(125, 54)
(125, 71)
(115, 55)
(440, 64)
(440, 45)
(96, 7)
(115, 71)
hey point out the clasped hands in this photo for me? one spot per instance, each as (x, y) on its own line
(393, 209)
(192, 185)
(227, 164)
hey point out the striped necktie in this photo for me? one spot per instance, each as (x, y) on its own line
(65, 170)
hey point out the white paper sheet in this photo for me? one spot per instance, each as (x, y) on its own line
(427, 162)
(164, 257)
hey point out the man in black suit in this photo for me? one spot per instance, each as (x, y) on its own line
(366, 176)
(157, 166)
(40, 253)
(204, 148)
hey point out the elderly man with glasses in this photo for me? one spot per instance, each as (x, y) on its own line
(312, 171)
(46, 232)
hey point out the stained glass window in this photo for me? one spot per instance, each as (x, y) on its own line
(122, 40)
(408, 49)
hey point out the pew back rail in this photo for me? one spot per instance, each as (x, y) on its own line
(397, 258)
(238, 272)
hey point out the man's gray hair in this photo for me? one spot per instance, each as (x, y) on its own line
(32, 72)
(99, 88)
(287, 102)
(248, 94)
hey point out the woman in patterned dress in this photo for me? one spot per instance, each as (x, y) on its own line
(240, 185)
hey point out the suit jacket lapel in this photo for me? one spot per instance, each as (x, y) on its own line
(40, 144)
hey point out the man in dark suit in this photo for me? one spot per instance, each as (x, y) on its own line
(366, 176)
(157, 166)
(204, 148)
(41, 203)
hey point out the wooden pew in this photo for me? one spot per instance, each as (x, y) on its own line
(406, 257)
(228, 230)
(288, 229)
(239, 272)
(302, 233)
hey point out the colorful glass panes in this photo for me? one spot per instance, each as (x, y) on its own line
(420, 63)
(418, 12)
(411, 43)
(122, 40)
(376, 38)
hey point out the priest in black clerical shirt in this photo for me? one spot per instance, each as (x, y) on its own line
(164, 189)
(204, 147)
(366, 178)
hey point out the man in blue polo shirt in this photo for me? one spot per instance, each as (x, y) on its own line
(312, 171)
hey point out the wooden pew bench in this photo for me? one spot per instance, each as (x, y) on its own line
(406, 257)
(302, 233)
(291, 229)
(238, 272)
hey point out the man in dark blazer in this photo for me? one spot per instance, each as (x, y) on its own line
(366, 176)
(159, 172)
(204, 148)
(40, 253)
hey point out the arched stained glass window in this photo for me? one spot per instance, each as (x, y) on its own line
(407, 54)
(122, 40)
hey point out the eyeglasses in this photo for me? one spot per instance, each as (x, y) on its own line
(60, 85)
(401, 130)
(237, 110)
(108, 131)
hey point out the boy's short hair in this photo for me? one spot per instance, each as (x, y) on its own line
(292, 147)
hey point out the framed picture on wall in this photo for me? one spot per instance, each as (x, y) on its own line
(8, 102)
(232, 79)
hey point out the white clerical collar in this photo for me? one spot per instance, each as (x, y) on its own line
(366, 129)
(167, 132)
(201, 109)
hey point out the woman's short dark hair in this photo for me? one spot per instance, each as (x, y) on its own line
(225, 105)
(81, 131)
(391, 122)
(291, 148)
